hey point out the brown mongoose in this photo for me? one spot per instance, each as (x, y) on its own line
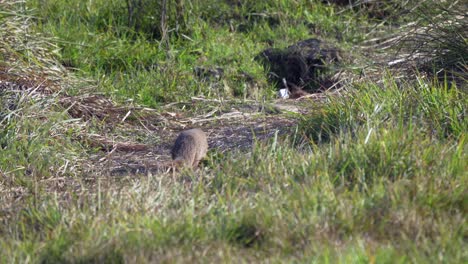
(189, 148)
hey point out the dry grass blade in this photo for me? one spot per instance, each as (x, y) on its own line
(436, 43)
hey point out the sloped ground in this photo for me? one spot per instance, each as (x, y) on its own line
(238, 132)
(133, 141)
(107, 195)
(125, 142)
(120, 140)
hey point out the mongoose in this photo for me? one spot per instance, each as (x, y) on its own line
(189, 148)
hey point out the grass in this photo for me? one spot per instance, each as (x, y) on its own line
(376, 174)
(132, 65)
(375, 191)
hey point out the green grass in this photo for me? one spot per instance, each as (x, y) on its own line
(377, 174)
(435, 108)
(391, 187)
(95, 39)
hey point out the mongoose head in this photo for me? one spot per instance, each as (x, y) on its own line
(189, 148)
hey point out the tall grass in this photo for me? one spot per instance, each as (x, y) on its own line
(387, 185)
(33, 129)
(436, 40)
(437, 113)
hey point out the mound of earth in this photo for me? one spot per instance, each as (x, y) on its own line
(307, 64)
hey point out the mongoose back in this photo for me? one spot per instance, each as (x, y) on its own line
(189, 148)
